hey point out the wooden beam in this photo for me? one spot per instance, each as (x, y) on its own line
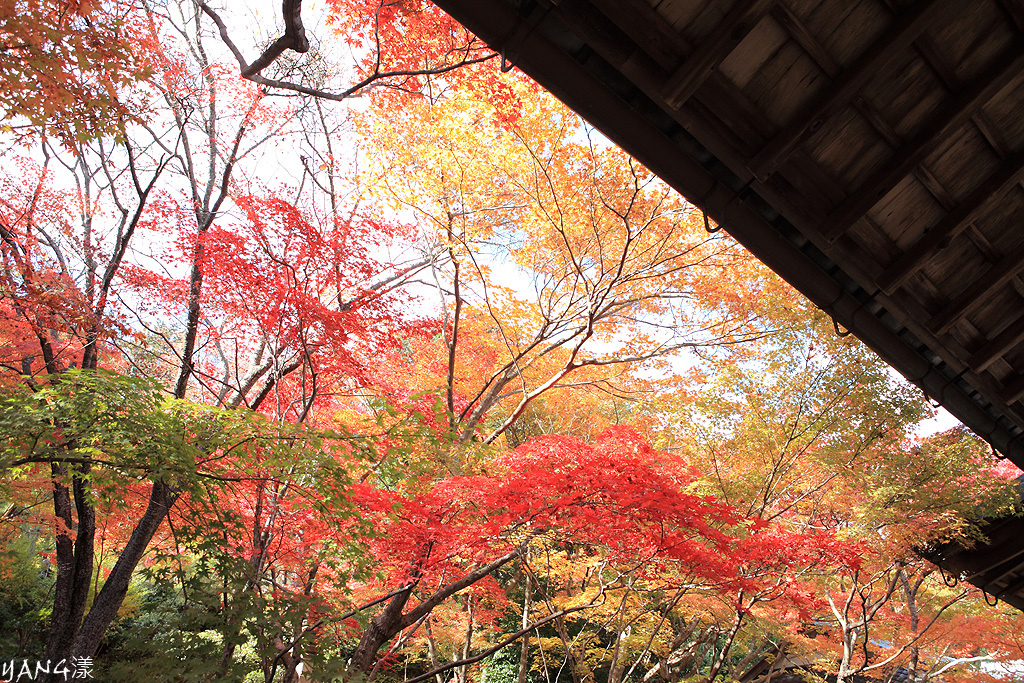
(1012, 587)
(978, 291)
(992, 254)
(1000, 571)
(881, 126)
(880, 55)
(1000, 344)
(644, 26)
(993, 135)
(1003, 546)
(811, 45)
(600, 23)
(888, 133)
(895, 142)
(1015, 12)
(935, 61)
(605, 25)
(1013, 391)
(934, 187)
(1004, 70)
(713, 50)
(1009, 173)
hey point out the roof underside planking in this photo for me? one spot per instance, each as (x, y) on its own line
(869, 151)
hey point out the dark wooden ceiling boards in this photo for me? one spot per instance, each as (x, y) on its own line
(870, 151)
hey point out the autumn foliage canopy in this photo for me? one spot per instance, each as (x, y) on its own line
(345, 352)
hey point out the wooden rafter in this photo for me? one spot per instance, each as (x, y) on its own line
(979, 291)
(1013, 391)
(613, 60)
(1001, 570)
(1013, 587)
(1003, 546)
(880, 55)
(803, 37)
(892, 138)
(934, 187)
(706, 57)
(997, 346)
(930, 54)
(1015, 11)
(647, 29)
(976, 562)
(1005, 68)
(992, 134)
(982, 243)
(1009, 173)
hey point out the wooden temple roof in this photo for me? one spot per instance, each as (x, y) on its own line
(869, 151)
(995, 564)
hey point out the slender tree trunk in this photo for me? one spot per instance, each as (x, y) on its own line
(720, 659)
(618, 665)
(570, 656)
(62, 625)
(462, 673)
(843, 675)
(74, 559)
(910, 593)
(110, 597)
(524, 651)
(432, 651)
(84, 542)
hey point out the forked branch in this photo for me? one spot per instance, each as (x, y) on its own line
(295, 39)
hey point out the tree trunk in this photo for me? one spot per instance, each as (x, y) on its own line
(618, 664)
(524, 652)
(462, 673)
(844, 675)
(570, 656)
(432, 651)
(63, 626)
(910, 593)
(719, 661)
(379, 631)
(108, 600)
(74, 560)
